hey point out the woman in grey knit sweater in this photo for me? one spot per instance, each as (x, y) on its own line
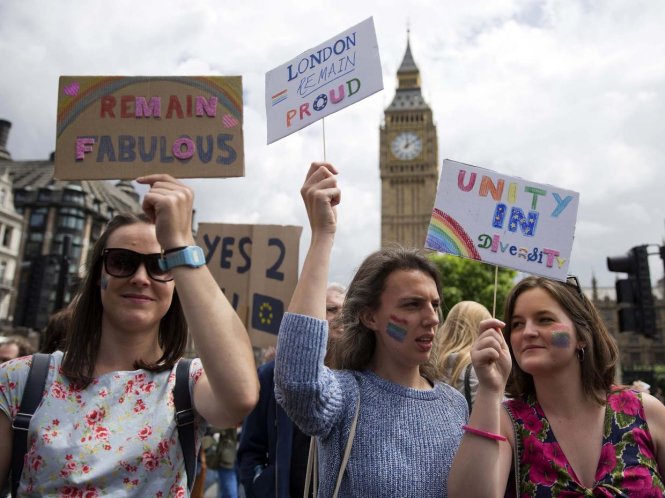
(408, 427)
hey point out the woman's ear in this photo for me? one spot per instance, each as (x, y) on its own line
(367, 319)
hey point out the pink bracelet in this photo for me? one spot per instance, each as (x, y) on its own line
(488, 435)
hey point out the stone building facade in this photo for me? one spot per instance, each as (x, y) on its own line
(408, 161)
(60, 222)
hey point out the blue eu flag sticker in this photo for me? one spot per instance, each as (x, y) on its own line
(267, 313)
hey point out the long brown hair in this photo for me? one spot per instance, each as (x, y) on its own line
(601, 353)
(456, 336)
(355, 348)
(85, 329)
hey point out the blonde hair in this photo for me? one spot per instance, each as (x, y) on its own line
(456, 335)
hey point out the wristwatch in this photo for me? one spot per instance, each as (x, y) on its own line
(191, 256)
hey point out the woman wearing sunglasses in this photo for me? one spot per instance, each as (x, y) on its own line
(569, 429)
(106, 424)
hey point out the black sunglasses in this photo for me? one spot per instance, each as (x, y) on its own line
(123, 263)
(573, 282)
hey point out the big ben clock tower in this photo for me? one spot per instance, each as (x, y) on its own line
(408, 161)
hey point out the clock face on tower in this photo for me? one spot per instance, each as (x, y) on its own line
(406, 146)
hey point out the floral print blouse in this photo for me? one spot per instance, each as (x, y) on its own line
(627, 465)
(117, 437)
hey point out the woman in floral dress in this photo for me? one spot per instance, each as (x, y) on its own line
(568, 428)
(105, 426)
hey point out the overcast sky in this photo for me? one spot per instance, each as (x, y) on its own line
(565, 92)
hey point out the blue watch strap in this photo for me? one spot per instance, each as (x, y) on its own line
(191, 256)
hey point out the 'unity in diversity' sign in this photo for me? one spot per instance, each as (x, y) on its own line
(484, 215)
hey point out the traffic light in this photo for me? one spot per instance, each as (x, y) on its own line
(636, 304)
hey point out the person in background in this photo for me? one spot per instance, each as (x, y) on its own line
(221, 448)
(577, 433)
(456, 336)
(106, 424)
(334, 300)
(273, 450)
(408, 426)
(14, 347)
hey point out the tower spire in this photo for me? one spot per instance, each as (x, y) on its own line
(408, 94)
(408, 65)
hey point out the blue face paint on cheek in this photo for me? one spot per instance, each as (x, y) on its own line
(396, 332)
(561, 339)
(104, 282)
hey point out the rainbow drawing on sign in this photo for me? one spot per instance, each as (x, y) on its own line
(278, 97)
(446, 235)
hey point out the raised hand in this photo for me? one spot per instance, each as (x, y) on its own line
(491, 357)
(321, 195)
(169, 204)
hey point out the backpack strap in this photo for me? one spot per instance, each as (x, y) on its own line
(184, 418)
(467, 387)
(32, 396)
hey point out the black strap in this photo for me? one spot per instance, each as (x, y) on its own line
(184, 418)
(467, 386)
(32, 395)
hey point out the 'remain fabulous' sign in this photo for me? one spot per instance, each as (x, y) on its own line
(503, 220)
(116, 127)
(320, 81)
(257, 268)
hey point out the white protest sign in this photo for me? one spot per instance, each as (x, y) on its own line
(341, 71)
(503, 220)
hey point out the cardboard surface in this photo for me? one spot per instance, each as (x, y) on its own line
(257, 268)
(116, 127)
(325, 79)
(504, 220)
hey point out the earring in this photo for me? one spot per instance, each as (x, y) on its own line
(580, 354)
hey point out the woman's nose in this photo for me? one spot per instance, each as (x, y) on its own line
(141, 276)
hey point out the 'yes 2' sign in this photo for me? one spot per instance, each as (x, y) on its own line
(257, 268)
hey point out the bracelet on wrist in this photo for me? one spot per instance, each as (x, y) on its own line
(485, 434)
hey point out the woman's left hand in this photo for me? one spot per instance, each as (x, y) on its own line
(169, 203)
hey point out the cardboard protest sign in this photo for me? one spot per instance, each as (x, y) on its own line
(503, 220)
(116, 127)
(331, 76)
(257, 268)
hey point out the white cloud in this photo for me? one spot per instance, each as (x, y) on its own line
(566, 92)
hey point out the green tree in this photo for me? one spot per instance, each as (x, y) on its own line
(469, 280)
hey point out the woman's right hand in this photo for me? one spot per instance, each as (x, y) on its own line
(491, 357)
(321, 195)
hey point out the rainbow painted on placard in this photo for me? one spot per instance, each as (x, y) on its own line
(447, 235)
(279, 97)
(91, 89)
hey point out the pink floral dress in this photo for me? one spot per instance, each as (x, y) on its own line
(117, 437)
(627, 465)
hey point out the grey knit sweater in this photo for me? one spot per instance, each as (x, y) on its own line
(405, 439)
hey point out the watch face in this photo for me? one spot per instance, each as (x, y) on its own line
(406, 146)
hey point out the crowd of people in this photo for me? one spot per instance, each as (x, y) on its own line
(370, 392)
